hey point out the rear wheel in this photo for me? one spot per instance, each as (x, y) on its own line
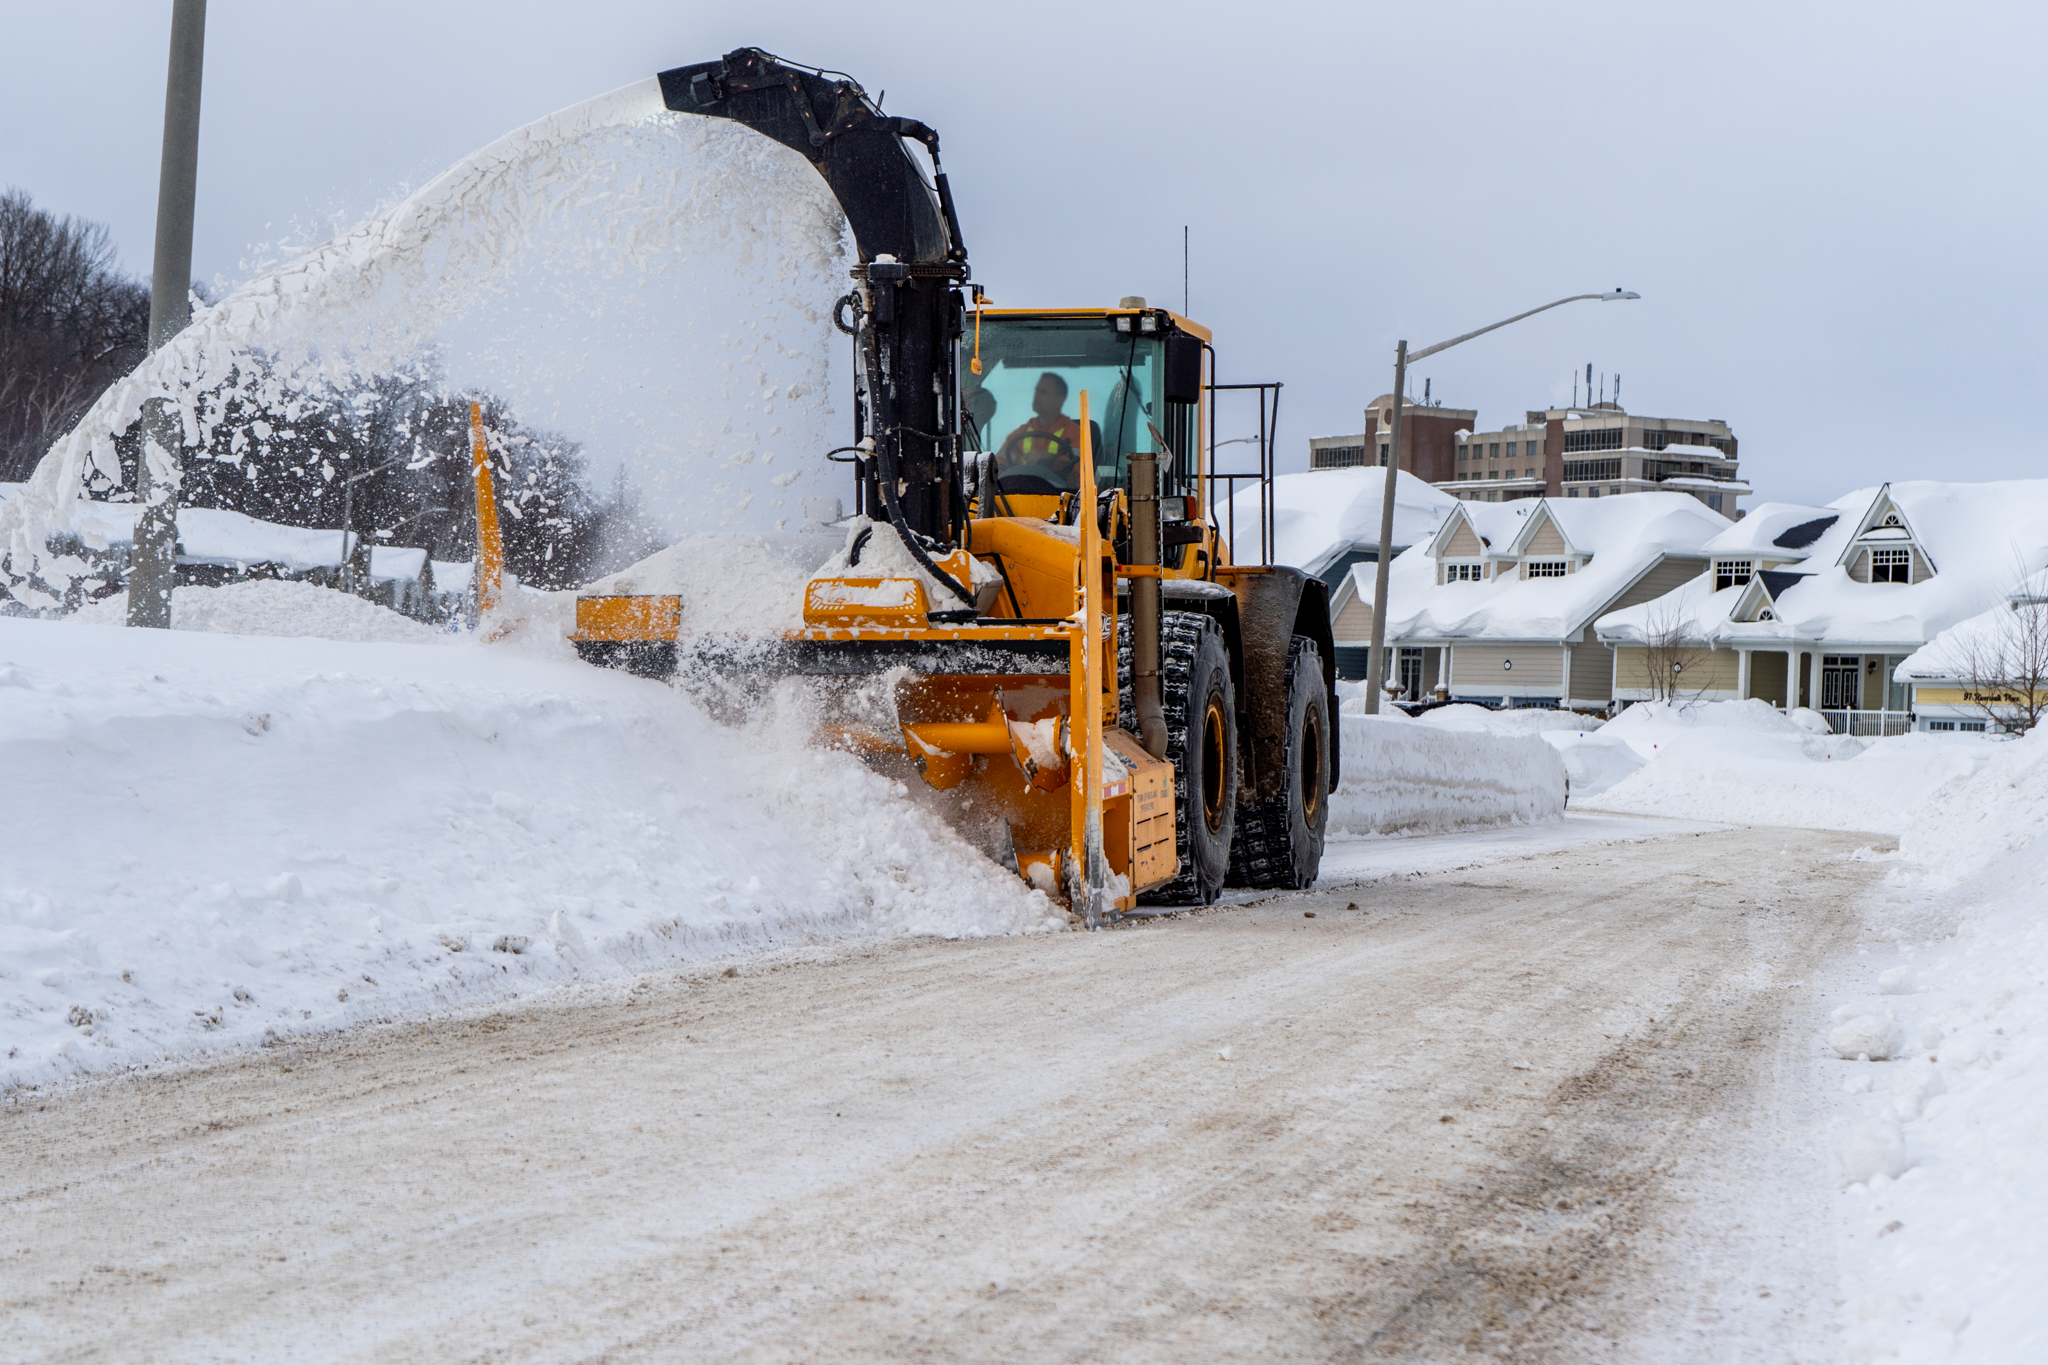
(1201, 743)
(1280, 840)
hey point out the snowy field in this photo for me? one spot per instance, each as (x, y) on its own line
(218, 839)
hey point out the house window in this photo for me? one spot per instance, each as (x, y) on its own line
(1544, 568)
(1891, 566)
(1941, 725)
(1463, 573)
(1974, 726)
(1729, 573)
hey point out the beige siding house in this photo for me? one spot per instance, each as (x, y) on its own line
(1819, 607)
(1499, 605)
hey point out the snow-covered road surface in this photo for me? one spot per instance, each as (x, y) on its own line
(1550, 1110)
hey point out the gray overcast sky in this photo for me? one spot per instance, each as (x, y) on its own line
(1833, 212)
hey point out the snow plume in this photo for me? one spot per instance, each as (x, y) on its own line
(567, 227)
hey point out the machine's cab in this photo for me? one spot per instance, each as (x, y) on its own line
(1021, 375)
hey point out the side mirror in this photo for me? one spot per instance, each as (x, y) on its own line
(1183, 368)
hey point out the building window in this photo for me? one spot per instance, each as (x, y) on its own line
(1337, 457)
(1730, 573)
(1528, 473)
(1584, 471)
(1606, 439)
(1493, 497)
(1891, 566)
(1592, 492)
(1544, 568)
(1941, 725)
(1714, 501)
(1383, 454)
(1615, 491)
(1494, 450)
(1493, 473)
(1463, 573)
(1571, 492)
(1974, 726)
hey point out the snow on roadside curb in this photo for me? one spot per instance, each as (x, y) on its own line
(215, 839)
(1403, 777)
(1746, 763)
(1942, 1261)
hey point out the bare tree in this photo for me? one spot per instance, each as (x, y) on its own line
(1669, 655)
(70, 324)
(2005, 668)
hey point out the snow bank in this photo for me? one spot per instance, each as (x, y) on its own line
(1745, 763)
(1943, 1261)
(274, 607)
(216, 839)
(1403, 777)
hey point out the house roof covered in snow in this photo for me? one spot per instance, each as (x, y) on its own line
(1978, 539)
(1323, 514)
(1773, 530)
(1606, 543)
(1949, 655)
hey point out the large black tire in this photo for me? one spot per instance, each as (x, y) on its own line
(1280, 840)
(1201, 743)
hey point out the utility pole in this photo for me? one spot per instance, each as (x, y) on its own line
(1376, 672)
(152, 560)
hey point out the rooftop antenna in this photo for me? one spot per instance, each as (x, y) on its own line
(1575, 388)
(1589, 383)
(1425, 393)
(1184, 270)
(1617, 389)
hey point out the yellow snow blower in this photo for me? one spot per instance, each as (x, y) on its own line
(1115, 706)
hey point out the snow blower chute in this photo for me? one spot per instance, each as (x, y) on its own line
(1117, 707)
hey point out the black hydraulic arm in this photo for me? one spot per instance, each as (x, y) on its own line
(913, 263)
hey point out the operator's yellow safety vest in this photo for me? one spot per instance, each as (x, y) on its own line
(1034, 444)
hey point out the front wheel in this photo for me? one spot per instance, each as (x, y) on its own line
(1201, 743)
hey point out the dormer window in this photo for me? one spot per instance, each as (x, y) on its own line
(1464, 573)
(1892, 519)
(1891, 566)
(1765, 615)
(1543, 568)
(1729, 573)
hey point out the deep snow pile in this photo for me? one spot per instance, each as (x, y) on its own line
(1401, 776)
(215, 838)
(1945, 1217)
(1747, 763)
(273, 607)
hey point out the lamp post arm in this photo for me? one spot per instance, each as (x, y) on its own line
(1426, 351)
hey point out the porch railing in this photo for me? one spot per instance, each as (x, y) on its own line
(1869, 724)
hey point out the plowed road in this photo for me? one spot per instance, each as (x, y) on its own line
(1544, 1110)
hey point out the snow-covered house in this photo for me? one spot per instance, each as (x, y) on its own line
(1500, 603)
(1972, 674)
(217, 546)
(1327, 521)
(1819, 606)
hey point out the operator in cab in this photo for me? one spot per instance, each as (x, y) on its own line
(1049, 444)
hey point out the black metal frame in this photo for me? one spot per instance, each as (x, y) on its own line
(1269, 427)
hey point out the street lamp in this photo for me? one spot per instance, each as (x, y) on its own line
(1376, 668)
